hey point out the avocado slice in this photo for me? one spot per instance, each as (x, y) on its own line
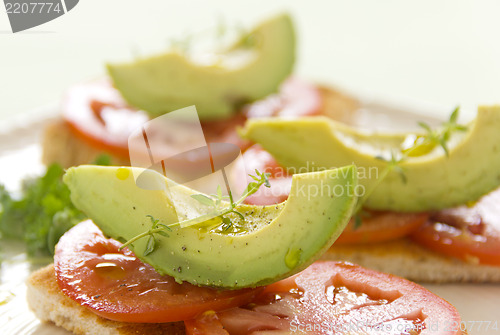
(272, 243)
(243, 73)
(433, 181)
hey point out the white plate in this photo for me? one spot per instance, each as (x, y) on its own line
(20, 156)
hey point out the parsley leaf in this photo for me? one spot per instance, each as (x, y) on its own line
(42, 212)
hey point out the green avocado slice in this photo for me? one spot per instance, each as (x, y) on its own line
(273, 243)
(170, 81)
(433, 181)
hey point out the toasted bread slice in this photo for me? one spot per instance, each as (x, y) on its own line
(51, 305)
(61, 145)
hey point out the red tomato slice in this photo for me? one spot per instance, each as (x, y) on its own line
(471, 234)
(117, 286)
(207, 323)
(381, 227)
(295, 98)
(331, 297)
(375, 226)
(96, 113)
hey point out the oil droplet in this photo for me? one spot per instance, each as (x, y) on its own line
(292, 257)
(122, 173)
(109, 270)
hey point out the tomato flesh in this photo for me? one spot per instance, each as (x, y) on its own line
(377, 227)
(295, 98)
(96, 113)
(116, 285)
(471, 234)
(333, 297)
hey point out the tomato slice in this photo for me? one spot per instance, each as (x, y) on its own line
(116, 285)
(471, 234)
(96, 113)
(379, 227)
(334, 297)
(295, 98)
(375, 227)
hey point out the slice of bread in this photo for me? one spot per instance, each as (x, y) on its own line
(61, 145)
(51, 305)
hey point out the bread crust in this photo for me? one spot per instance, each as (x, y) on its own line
(61, 145)
(49, 304)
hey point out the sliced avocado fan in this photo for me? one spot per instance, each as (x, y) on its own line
(170, 81)
(432, 181)
(273, 242)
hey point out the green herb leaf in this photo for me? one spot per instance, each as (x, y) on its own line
(41, 214)
(401, 173)
(150, 246)
(104, 160)
(163, 226)
(266, 180)
(203, 199)
(454, 115)
(163, 233)
(425, 126)
(219, 196)
(226, 223)
(357, 221)
(239, 214)
(153, 220)
(442, 143)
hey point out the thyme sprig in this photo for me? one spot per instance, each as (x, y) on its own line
(419, 145)
(219, 206)
(156, 228)
(437, 137)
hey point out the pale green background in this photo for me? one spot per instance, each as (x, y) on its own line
(446, 52)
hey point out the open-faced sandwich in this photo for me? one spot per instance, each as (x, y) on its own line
(409, 224)
(430, 208)
(248, 269)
